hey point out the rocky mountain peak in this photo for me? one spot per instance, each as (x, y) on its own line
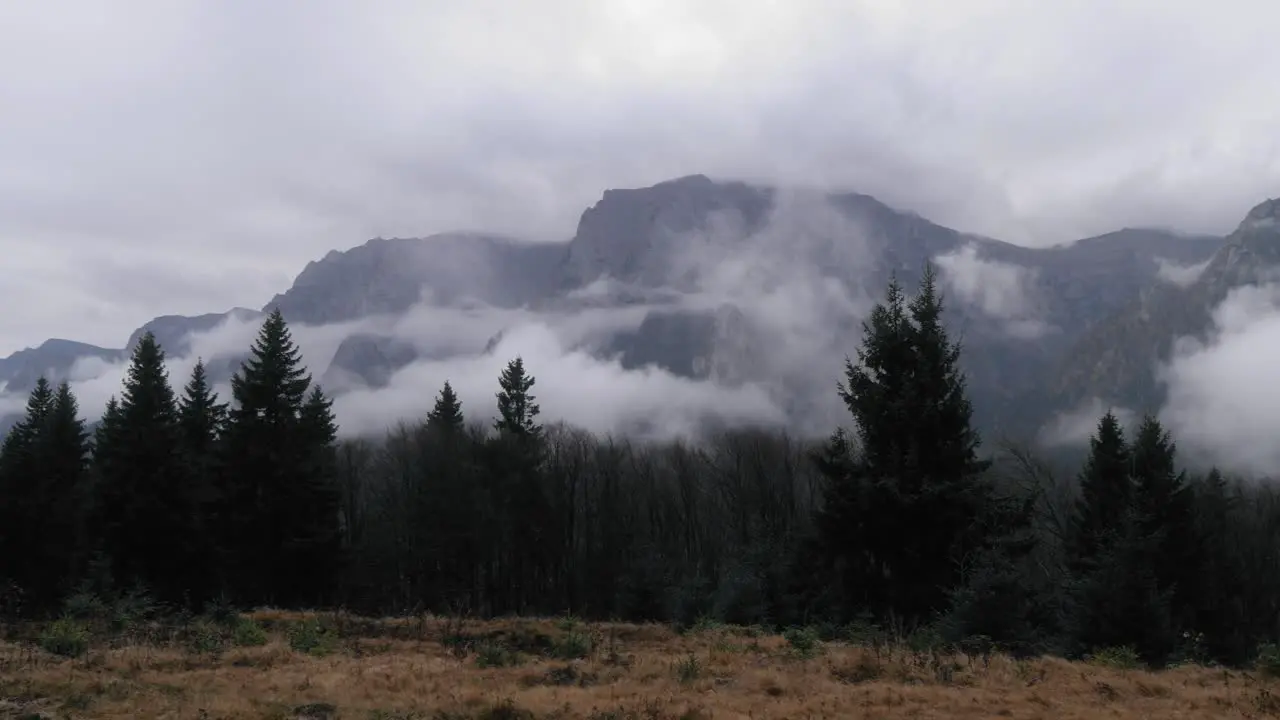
(634, 235)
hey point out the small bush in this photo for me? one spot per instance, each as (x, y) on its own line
(572, 646)
(248, 633)
(1268, 660)
(688, 669)
(204, 638)
(492, 654)
(131, 608)
(67, 637)
(1118, 658)
(311, 638)
(804, 641)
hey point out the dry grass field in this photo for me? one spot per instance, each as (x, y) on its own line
(289, 665)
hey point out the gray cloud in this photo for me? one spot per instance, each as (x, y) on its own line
(1180, 275)
(1222, 400)
(1076, 426)
(1001, 290)
(221, 145)
(785, 324)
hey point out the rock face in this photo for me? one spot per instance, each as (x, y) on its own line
(1116, 360)
(387, 277)
(720, 270)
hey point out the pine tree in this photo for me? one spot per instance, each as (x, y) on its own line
(1106, 492)
(63, 454)
(902, 514)
(1121, 592)
(201, 416)
(22, 495)
(201, 423)
(516, 407)
(146, 499)
(279, 480)
(446, 416)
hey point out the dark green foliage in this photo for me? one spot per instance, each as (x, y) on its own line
(1106, 492)
(896, 522)
(517, 411)
(909, 503)
(146, 501)
(43, 496)
(278, 491)
(202, 421)
(446, 416)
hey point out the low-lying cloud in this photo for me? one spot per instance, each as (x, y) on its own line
(1001, 290)
(1223, 402)
(785, 300)
(1180, 275)
(1076, 426)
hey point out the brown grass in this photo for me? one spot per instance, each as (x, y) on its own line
(434, 668)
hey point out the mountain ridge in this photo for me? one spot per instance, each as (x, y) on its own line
(655, 247)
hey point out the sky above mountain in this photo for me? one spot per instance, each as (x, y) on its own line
(184, 156)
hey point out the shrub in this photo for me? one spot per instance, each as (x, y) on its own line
(804, 641)
(67, 637)
(204, 638)
(248, 633)
(1268, 659)
(1119, 658)
(572, 646)
(491, 654)
(311, 638)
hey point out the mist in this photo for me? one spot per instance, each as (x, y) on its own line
(1223, 402)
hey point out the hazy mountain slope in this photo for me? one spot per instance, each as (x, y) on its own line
(1116, 360)
(387, 277)
(720, 271)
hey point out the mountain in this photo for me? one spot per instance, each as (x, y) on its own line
(1116, 360)
(716, 273)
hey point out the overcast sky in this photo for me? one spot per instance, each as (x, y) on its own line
(176, 156)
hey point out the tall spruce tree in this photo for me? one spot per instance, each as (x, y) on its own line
(1117, 595)
(202, 421)
(278, 478)
(517, 411)
(1106, 493)
(35, 499)
(911, 504)
(146, 500)
(515, 460)
(1165, 507)
(64, 457)
(446, 416)
(19, 520)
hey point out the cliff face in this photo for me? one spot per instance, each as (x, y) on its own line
(720, 271)
(1117, 359)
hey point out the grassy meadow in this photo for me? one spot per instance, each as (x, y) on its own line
(270, 664)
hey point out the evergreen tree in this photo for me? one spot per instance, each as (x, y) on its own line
(517, 411)
(1122, 590)
(63, 456)
(446, 416)
(201, 422)
(901, 516)
(201, 416)
(1106, 493)
(279, 477)
(21, 494)
(146, 500)
(1166, 515)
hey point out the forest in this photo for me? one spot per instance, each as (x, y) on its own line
(904, 521)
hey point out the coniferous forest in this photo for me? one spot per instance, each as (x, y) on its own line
(903, 521)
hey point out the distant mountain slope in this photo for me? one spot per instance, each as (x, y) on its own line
(1116, 360)
(717, 268)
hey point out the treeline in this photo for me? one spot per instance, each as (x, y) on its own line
(898, 523)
